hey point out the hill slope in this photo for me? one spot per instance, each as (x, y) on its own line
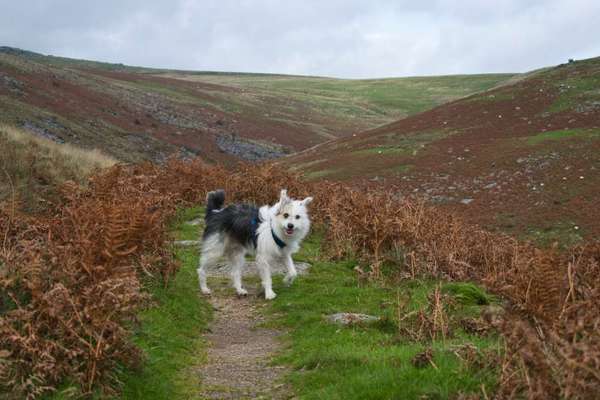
(136, 113)
(34, 168)
(523, 157)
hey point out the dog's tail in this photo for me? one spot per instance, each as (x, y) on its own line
(214, 201)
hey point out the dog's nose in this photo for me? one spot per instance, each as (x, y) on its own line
(290, 226)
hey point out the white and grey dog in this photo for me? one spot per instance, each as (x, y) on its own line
(273, 233)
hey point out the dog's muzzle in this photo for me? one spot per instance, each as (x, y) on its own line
(289, 229)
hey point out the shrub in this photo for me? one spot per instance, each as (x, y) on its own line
(70, 283)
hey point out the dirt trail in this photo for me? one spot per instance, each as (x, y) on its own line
(240, 350)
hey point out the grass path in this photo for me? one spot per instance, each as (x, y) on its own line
(205, 348)
(225, 347)
(240, 350)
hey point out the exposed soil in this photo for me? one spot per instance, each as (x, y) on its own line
(240, 351)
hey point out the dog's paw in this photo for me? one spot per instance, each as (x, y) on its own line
(242, 292)
(270, 295)
(205, 291)
(289, 279)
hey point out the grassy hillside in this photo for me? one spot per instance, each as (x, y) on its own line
(339, 107)
(136, 113)
(32, 168)
(522, 158)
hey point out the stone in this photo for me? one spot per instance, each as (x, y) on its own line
(41, 132)
(346, 319)
(248, 150)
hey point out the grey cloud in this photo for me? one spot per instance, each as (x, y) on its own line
(334, 38)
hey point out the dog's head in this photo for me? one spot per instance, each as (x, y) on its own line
(291, 216)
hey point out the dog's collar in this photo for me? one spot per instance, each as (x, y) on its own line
(280, 243)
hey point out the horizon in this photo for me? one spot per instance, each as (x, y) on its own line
(340, 39)
(175, 69)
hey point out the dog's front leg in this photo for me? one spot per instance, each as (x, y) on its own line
(291, 271)
(265, 275)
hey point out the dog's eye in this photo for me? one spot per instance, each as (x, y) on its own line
(286, 215)
(297, 217)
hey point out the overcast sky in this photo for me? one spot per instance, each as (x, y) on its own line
(342, 38)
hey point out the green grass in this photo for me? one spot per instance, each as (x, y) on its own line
(563, 134)
(401, 144)
(362, 103)
(370, 362)
(312, 175)
(173, 93)
(563, 233)
(399, 169)
(411, 95)
(576, 91)
(468, 293)
(170, 332)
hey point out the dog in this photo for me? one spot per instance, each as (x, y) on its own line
(273, 233)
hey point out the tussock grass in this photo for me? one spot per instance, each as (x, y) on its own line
(469, 293)
(375, 361)
(33, 167)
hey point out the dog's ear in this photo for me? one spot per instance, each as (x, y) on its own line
(283, 197)
(306, 201)
(283, 201)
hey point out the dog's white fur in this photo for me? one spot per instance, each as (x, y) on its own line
(267, 251)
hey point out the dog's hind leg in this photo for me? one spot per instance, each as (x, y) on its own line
(289, 278)
(236, 261)
(264, 270)
(212, 249)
